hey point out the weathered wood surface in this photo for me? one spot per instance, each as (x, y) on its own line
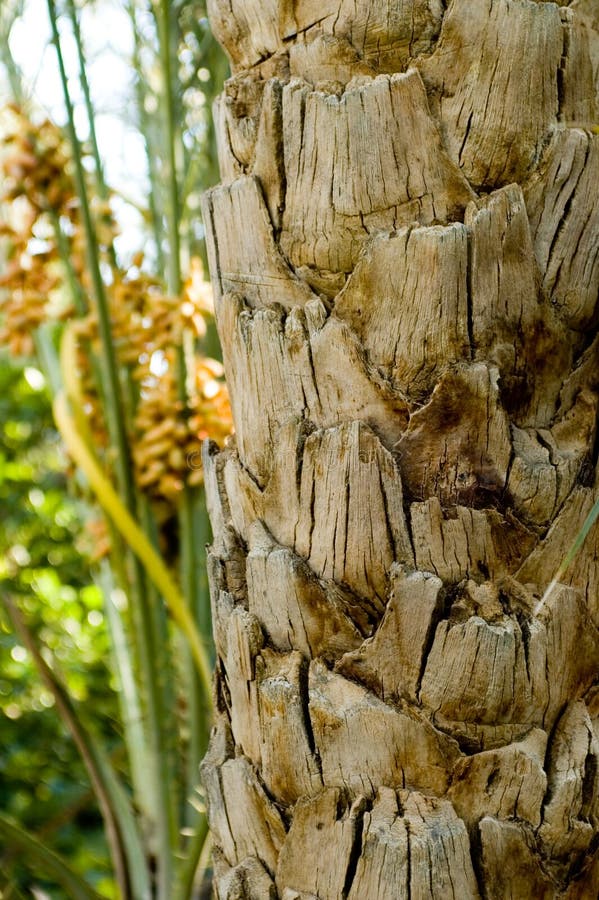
(333, 201)
(405, 250)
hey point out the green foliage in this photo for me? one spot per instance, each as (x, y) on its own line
(43, 784)
(96, 664)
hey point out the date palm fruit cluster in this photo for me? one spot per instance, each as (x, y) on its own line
(37, 192)
(170, 431)
(166, 424)
(171, 423)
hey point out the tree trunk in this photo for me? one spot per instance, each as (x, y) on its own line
(405, 252)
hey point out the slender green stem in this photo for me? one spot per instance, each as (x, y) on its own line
(192, 565)
(163, 664)
(156, 569)
(174, 259)
(149, 647)
(194, 692)
(145, 639)
(47, 357)
(14, 78)
(102, 191)
(130, 705)
(154, 565)
(199, 703)
(109, 363)
(159, 623)
(144, 124)
(75, 289)
(91, 119)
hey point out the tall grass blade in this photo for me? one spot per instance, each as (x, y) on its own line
(33, 853)
(570, 556)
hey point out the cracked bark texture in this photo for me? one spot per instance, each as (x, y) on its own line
(405, 253)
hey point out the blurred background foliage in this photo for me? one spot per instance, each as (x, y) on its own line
(43, 784)
(101, 172)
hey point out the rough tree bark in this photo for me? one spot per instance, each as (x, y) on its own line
(405, 252)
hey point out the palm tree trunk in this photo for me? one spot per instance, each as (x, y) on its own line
(405, 251)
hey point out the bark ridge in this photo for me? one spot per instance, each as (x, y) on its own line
(405, 252)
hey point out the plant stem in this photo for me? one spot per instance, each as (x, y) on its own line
(192, 562)
(144, 124)
(149, 640)
(128, 695)
(109, 364)
(91, 119)
(142, 617)
(75, 290)
(158, 621)
(199, 709)
(179, 608)
(134, 536)
(174, 258)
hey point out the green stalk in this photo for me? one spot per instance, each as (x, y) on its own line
(91, 119)
(150, 646)
(144, 124)
(199, 708)
(154, 565)
(134, 734)
(174, 259)
(128, 695)
(141, 611)
(163, 700)
(163, 664)
(47, 358)
(72, 12)
(75, 289)
(132, 533)
(159, 622)
(192, 565)
(194, 694)
(129, 701)
(116, 424)
(15, 77)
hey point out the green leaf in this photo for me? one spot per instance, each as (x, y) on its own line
(38, 857)
(121, 831)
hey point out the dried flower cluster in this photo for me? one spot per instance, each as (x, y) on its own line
(166, 424)
(170, 423)
(36, 192)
